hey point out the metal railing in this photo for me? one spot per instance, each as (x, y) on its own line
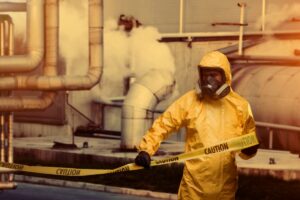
(271, 127)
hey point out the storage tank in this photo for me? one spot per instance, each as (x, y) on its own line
(273, 92)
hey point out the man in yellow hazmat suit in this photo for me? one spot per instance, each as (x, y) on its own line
(211, 113)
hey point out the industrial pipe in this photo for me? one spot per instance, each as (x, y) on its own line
(35, 46)
(274, 97)
(68, 82)
(43, 101)
(263, 15)
(2, 139)
(242, 6)
(11, 43)
(279, 60)
(142, 98)
(26, 103)
(12, 7)
(181, 5)
(10, 141)
(2, 35)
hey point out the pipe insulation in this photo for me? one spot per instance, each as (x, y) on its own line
(87, 81)
(142, 98)
(35, 42)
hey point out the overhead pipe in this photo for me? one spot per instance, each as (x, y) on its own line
(27, 103)
(229, 34)
(228, 24)
(138, 107)
(12, 7)
(274, 60)
(68, 82)
(35, 42)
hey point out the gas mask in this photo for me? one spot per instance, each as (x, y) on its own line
(212, 82)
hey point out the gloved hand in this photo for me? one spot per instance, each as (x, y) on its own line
(143, 159)
(250, 150)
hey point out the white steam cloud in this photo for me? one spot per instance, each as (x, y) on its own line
(130, 53)
(278, 14)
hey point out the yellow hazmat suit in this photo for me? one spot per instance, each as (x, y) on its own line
(207, 122)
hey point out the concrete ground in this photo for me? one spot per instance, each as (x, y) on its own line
(26, 191)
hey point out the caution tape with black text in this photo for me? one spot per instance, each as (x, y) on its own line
(233, 144)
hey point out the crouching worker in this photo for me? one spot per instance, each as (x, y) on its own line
(211, 113)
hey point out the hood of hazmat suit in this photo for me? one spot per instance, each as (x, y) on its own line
(207, 122)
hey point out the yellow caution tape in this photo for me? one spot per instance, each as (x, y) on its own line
(233, 144)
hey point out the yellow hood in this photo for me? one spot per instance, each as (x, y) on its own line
(217, 59)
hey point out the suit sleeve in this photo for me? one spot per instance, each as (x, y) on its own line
(249, 128)
(171, 120)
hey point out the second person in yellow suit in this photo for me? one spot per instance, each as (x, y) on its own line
(211, 113)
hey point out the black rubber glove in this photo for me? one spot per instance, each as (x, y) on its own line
(143, 159)
(250, 150)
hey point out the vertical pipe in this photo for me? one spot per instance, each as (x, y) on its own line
(11, 45)
(2, 137)
(1, 144)
(181, 16)
(2, 134)
(263, 15)
(10, 123)
(242, 6)
(10, 144)
(2, 34)
(11, 51)
(271, 139)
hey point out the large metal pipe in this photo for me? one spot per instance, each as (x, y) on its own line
(273, 95)
(35, 42)
(142, 98)
(27, 103)
(268, 88)
(68, 82)
(43, 101)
